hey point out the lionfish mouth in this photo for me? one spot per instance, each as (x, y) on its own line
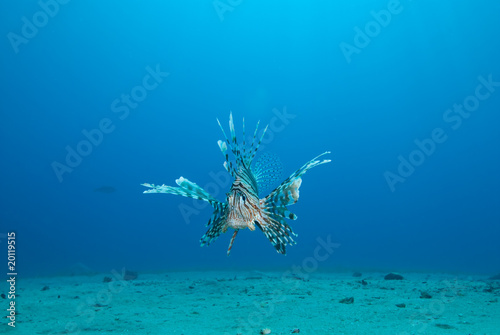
(236, 221)
(237, 224)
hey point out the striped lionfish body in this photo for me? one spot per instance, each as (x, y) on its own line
(243, 208)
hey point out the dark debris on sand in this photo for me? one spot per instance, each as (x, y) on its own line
(393, 276)
(347, 301)
(495, 277)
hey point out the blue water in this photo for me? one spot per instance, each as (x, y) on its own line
(366, 80)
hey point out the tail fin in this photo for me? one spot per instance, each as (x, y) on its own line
(232, 241)
(274, 207)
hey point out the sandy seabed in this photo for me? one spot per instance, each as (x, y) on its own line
(246, 302)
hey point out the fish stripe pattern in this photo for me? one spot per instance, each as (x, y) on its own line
(243, 208)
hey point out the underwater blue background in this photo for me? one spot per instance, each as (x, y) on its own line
(284, 63)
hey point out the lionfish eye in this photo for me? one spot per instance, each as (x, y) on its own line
(243, 197)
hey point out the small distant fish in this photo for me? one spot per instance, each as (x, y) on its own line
(105, 189)
(243, 208)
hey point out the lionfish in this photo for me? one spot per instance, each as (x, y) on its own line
(243, 208)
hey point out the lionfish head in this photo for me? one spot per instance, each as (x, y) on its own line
(240, 210)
